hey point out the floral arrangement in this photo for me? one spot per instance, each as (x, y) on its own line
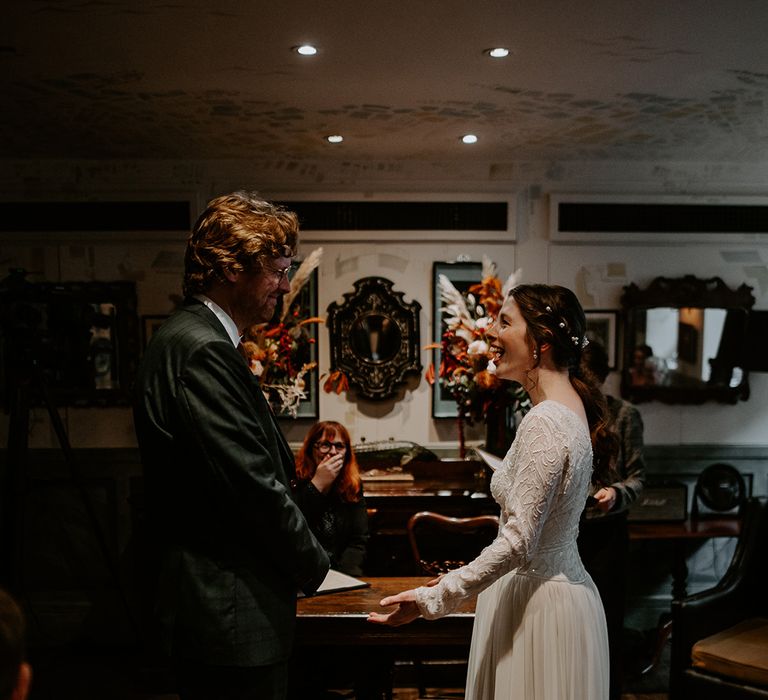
(279, 352)
(464, 368)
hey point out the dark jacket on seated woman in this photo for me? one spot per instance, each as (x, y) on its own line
(330, 494)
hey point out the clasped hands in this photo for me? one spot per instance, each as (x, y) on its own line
(406, 610)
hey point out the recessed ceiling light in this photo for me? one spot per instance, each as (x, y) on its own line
(334, 138)
(305, 50)
(497, 52)
(469, 138)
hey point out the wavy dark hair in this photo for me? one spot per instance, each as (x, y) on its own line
(348, 482)
(554, 315)
(236, 232)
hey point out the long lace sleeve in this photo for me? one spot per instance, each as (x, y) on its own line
(534, 467)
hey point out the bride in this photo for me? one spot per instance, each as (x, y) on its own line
(539, 631)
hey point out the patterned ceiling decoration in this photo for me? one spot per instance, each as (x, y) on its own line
(102, 79)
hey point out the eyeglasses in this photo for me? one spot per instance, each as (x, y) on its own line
(281, 273)
(324, 447)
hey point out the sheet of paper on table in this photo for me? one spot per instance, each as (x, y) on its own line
(492, 461)
(337, 581)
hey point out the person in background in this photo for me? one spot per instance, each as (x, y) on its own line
(15, 672)
(330, 493)
(232, 547)
(539, 630)
(642, 372)
(603, 535)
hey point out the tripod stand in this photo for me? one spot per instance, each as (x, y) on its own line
(27, 384)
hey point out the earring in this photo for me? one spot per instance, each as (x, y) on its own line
(535, 354)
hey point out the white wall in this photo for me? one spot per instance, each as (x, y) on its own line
(595, 270)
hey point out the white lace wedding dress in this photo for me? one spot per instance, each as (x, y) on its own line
(539, 629)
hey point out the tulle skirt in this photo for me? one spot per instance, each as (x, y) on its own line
(538, 639)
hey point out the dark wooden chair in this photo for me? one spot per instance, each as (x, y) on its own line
(740, 596)
(440, 543)
(434, 553)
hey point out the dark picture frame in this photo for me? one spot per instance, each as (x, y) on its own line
(149, 324)
(306, 300)
(462, 275)
(603, 327)
(76, 342)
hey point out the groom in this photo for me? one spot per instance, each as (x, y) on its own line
(231, 547)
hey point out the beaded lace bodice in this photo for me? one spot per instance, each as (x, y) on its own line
(541, 487)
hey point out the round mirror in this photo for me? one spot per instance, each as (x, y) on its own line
(375, 337)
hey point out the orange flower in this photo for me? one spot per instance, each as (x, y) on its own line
(465, 349)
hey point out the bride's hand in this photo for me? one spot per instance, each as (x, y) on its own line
(405, 612)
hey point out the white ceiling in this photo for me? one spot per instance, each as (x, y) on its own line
(637, 80)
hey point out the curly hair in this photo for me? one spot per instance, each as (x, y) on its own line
(348, 483)
(235, 233)
(554, 315)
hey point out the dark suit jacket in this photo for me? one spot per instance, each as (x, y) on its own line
(232, 547)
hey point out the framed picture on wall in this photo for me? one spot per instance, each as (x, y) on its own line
(149, 324)
(305, 306)
(602, 327)
(462, 275)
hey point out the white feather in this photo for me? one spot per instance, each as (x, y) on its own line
(489, 267)
(454, 302)
(512, 281)
(300, 278)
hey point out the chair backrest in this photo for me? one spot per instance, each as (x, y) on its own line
(749, 567)
(738, 596)
(434, 553)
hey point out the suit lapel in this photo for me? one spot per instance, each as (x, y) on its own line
(288, 470)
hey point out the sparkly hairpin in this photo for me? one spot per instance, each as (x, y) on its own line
(582, 343)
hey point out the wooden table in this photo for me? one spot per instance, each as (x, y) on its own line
(340, 619)
(680, 534)
(333, 627)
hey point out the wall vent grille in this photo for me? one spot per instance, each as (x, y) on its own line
(25, 217)
(662, 218)
(400, 216)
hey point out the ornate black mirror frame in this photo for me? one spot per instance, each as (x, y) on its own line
(374, 337)
(690, 292)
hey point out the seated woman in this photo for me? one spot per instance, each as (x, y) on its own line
(329, 492)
